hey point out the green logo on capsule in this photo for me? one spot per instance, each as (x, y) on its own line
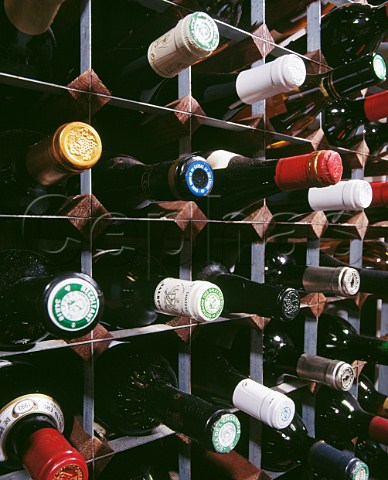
(204, 31)
(379, 67)
(73, 304)
(361, 472)
(212, 303)
(226, 433)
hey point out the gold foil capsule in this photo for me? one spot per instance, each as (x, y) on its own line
(74, 148)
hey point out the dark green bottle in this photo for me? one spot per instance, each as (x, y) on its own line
(136, 392)
(284, 449)
(338, 339)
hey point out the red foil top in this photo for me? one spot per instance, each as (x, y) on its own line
(379, 194)
(376, 106)
(378, 429)
(318, 169)
(49, 456)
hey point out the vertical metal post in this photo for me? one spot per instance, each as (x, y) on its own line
(86, 254)
(310, 340)
(184, 369)
(256, 354)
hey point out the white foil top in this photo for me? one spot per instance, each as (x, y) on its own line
(345, 195)
(199, 299)
(194, 37)
(282, 75)
(273, 408)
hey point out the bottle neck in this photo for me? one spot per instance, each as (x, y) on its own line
(245, 296)
(66, 305)
(335, 280)
(370, 349)
(352, 77)
(20, 433)
(215, 429)
(281, 360)
(330, 462)
(213, 375)
(370, 399)
(126, 183)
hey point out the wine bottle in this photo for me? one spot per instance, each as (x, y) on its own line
(370, 399)
(345, 195)
(340, 418)
(136, 73)
(240, 183)
(281, 357)
(376, 135)
(36, 298)
(344, 281)
(27, 44)
(338, 339)
(373, 454)
(284, 449)
(222, 95)
(136, 392)
(300, 106)
(245, 296)
(135, 296)
(343, 118)
(35, 416)
(31, 164)
(349, 32)
(371, 280)
(216, 379)
(123, 183)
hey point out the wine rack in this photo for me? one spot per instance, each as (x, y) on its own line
(248, 136)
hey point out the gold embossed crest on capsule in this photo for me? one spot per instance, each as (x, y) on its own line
(74, 148)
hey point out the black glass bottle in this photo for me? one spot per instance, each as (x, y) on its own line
(284, 449)
(138, 291)
(340, 418)
(136, 392)
(245, 296)
(123, 183)
(37, 299)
